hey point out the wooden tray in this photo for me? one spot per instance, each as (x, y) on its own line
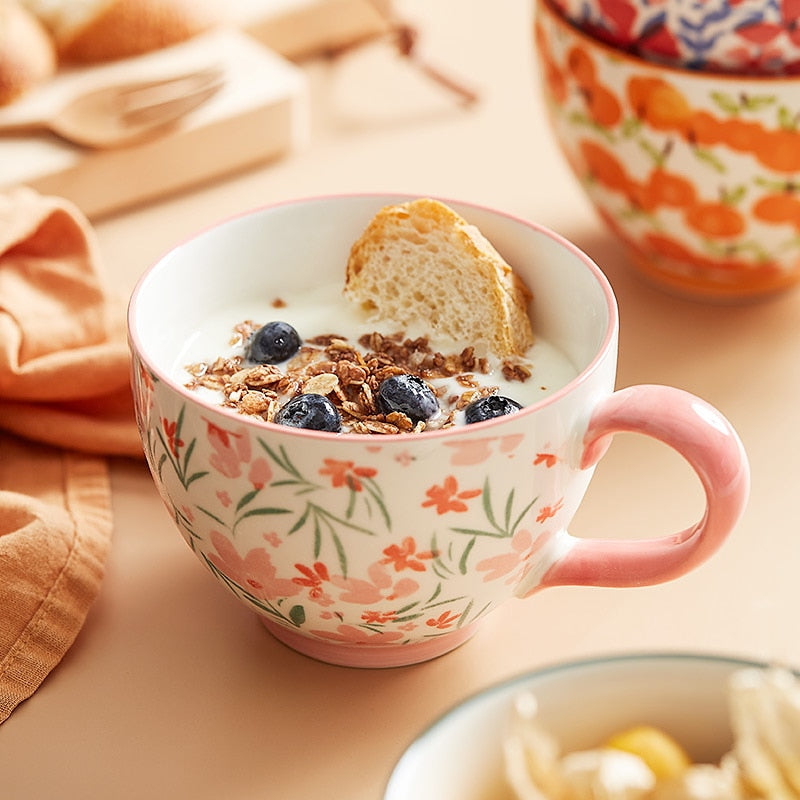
(260, 114)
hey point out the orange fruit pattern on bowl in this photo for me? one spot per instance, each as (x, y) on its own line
(697, 179)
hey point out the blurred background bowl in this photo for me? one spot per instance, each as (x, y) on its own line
(696, 173)
(746, 37)
(581, 703)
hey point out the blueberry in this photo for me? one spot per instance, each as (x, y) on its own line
(409, 395)
(495, 405)
(273, 343)
(312, 411)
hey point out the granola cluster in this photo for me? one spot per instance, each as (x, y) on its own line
(349, 376)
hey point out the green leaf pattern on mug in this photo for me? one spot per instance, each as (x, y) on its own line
(335, 511)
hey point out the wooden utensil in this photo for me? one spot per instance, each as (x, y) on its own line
(123, 114)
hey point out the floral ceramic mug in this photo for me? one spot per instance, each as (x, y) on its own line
(385, 550)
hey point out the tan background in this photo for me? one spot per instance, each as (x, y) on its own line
(174, 690)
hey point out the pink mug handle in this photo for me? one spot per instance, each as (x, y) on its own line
(707, 441)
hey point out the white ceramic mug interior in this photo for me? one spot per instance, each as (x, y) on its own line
(573, 306)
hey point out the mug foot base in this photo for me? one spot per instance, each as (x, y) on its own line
(367, 656)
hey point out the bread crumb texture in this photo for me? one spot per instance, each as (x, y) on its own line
(421, 263)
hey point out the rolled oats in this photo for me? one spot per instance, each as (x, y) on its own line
(323, 383)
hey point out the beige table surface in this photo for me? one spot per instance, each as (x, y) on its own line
(173, 690)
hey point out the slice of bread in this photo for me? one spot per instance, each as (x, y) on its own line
(89, 31)
(27, 53)
(421, 262)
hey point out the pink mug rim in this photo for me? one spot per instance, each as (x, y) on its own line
(584, 375)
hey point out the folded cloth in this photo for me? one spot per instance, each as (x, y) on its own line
(65, 402)
(55, 531)
(63, 355)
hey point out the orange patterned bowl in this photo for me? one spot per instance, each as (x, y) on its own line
(698, 174)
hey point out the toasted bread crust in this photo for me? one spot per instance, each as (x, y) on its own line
(422, 262)
(27, 53)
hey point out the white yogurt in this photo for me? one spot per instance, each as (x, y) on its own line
(323, 310)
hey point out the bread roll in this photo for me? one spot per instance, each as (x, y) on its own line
(88, 31)
(420, 262)
(27, 54)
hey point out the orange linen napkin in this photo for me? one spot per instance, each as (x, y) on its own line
(63, 384)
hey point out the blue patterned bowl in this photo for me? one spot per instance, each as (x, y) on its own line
(748, 37)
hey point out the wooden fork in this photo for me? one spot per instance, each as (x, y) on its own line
(123, 114)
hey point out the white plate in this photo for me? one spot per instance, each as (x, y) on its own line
(459, 757)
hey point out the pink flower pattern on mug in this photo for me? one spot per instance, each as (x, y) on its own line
(548, 459)
(146, 386)
(523, 545)
(378, 586)
(372, 617)
(260, 473)
(443, 621)
(231, 448)
(381, 601)
(174, 442)
(549, 511)
(254, 571)
(405, 556)
(313, 578)
(447, 497)
(346, 473)
(350, 634)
